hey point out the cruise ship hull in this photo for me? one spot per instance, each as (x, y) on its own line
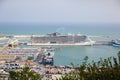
(63, 44)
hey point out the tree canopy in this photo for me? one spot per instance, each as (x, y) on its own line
(24, 74)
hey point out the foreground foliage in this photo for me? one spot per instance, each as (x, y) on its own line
(25, 74)
(105, 69)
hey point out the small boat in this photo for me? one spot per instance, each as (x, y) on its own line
(116, 42)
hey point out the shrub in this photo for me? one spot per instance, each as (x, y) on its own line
(105, 69)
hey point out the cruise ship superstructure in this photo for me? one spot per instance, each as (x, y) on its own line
(58, 39)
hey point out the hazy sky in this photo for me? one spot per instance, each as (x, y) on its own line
(60, 11)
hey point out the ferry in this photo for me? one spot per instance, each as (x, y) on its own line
(47, 58)
(56, 39)
(116, 42)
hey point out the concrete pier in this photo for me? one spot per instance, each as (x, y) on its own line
(103, 43)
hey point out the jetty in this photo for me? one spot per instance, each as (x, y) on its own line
(103, 43)
(41, 40)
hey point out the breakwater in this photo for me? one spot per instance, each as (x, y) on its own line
(103, 43)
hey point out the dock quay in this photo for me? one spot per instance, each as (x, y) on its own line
(72, 44)
(103, 43)
(55, 39)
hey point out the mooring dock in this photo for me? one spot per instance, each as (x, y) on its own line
(103, 43)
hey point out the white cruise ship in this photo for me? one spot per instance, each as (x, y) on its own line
(58, 39)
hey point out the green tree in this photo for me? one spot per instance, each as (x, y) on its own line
(105, 69)
(25, 74)
(119, 56)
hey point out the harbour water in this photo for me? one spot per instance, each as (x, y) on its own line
(65, 55)
(75, 54)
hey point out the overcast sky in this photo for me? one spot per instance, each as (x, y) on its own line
(60, 11)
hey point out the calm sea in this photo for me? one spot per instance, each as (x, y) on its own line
(65, 55)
